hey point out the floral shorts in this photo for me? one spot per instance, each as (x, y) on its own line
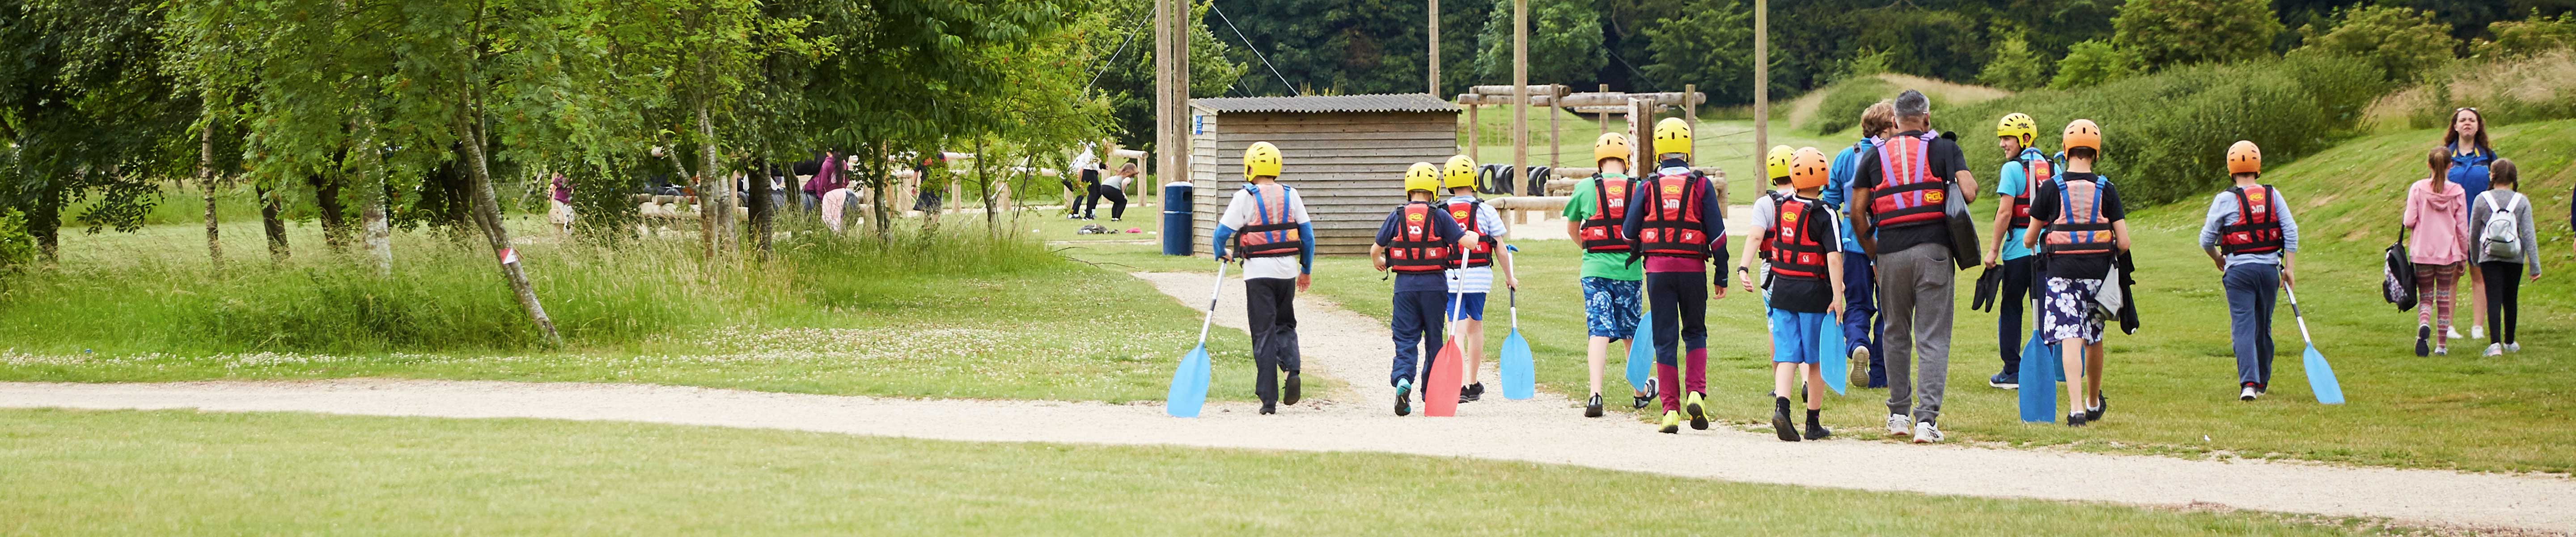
(1610, 307)
(2069, 311)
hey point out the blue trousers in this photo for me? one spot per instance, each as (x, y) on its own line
(1862, 326)
(1417, 335)
(2251, 291)
(2019, 275)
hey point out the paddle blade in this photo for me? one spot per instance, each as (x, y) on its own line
(1441, 397)
(1520, 377)
(1835, 362)
(2321, 378)
(2038, 393)
(1641, 351)
(1189, 385)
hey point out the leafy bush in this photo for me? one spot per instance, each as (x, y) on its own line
(1844, 102)
(2014, 66)
(2093, 63)
(2164, 135)
(2166, 33)
(2526, 38)
(2401, 42)
(17, 248)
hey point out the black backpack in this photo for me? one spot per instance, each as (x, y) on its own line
(2397, 279)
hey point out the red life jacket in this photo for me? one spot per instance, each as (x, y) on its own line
(1600, 234)
(1465, 213)
(1270, 233)
(1907, 193)
(1795, 253)
(1671, 226)
(2080, 228)
(2257, 229)
(1418, 248)
(2034, 168)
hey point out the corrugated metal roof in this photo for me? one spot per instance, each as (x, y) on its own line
(1397, 102)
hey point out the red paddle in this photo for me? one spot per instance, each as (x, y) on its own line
(1440, 399)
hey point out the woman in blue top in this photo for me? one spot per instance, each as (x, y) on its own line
(2470, 156)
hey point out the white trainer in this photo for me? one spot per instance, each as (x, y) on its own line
(2455, 333)
(1926, 433)
(2513, 347)
(1899, 425)
(2495, 349)
(2247, 394)
(2477, 331)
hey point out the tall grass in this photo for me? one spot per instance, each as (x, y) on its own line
(2505, 91)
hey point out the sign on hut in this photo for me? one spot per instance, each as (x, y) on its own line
(1345, 154)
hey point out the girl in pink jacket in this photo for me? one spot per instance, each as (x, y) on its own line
(2436, 212)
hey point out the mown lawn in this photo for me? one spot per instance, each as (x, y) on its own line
(180, 472)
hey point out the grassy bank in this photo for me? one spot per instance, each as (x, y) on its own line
(185, 473)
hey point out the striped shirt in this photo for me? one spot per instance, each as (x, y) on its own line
(1478, 279)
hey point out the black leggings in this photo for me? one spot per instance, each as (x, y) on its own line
(2504, 299)
(1117, 202)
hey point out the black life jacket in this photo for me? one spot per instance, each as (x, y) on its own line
(2258, 228)
(1671, 225)
(1418, 247)
(1795, 253)
(1270, 233)
(1482, 255)
(1600, 234)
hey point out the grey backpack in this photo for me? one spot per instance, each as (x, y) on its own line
(2502, 232)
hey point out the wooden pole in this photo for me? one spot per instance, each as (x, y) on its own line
(1162, 93)
(1520, 87)
(1690, 113)
(1605, 116)
(1434, 43)
(1182, 24)
(1473, 129)
(1761, 82)
(1555, 151)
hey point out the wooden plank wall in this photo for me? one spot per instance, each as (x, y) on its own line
(1349, 167)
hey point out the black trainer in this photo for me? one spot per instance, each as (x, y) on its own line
(1816, 429)
(2423, 340)
(1292, 393)
(1268, 409)
(1404, 397)
(1780, 420)
(1592, 409)
(2075, 419)
(1472, 392)
(2101, 403)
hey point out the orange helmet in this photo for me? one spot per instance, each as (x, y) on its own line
(2244, 157)
(1807, 168)
(2083, 133)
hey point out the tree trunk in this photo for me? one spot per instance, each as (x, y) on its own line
(763, 212)
(375, 213)
(487, 215)
(719, 211)
(45, 220)
(334, 214)
(992, 221)
(271, 225)
(882, 181)
(206, 181)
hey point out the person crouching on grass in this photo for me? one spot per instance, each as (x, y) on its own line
(2085, 226)
(2251, 236)
(1472, 281)
(1415, 242)
(1806, 289)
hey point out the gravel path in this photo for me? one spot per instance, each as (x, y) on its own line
(1547, 430)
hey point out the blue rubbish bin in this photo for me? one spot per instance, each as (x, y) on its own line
(1179, 237)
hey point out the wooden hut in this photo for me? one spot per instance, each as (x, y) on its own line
(1345, 154)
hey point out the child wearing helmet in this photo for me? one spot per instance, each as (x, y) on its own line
(1775, 165)
(2084, 225)
(1473, 278)
(1268, 229)
(1677, 225)
(1611, 285)
(1416, 242)
(1805, 272)
(2023, 163)
(2250, 235)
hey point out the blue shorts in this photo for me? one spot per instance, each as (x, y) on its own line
(1469, 306)
(1610, 307)
(1794, 336)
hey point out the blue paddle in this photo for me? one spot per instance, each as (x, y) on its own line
(2321, 377)
(1641, 348)
(2038, 390)
(1190, 378)
(1520, 378)
(1835, 364)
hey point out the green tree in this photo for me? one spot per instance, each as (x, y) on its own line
(1564, 43)
(2164, 33)
(1710, 44)
(2524, 38)
(2401, 42)
(1127, 77)
(2093, 63)
(2014, 66)
(92, 117)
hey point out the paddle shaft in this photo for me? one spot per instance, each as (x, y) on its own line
(2294, 314)
(1213, 291)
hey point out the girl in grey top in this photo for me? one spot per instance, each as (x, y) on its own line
(2503, 270)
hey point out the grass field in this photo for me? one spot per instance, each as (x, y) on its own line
(179, 472)
(2173, 384)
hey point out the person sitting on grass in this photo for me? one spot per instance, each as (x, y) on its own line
(1806, 274)
(2085, 225)
(1610, 283)
(1415, 242)
(2254, 241)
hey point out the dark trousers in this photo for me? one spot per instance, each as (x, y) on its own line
(2504, 299)
(2252, 290)
(1417, 335)
(1117, 202)
(2019, 274)
(1861, 324)
(1270, 306)
(1680, 304)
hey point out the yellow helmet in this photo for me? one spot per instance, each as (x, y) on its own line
(1422, 176)
(2018, 125)
(1260, 159)
(1672, 135)
(1609, 146)
(1807, 168)
(1776, 164)
(1460, 171)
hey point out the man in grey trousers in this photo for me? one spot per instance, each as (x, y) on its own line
(1899, 196)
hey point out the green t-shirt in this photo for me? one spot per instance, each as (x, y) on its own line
(1599, 265)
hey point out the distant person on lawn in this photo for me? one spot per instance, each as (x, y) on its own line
(1806, 290)
(1473, 280)
(2252, 237)
(1676, 224)
(2471, 161)
(1906, 183)
(1417, 242)
(1267, 227)
(2437, 217)
(1862, 326)
(1611, 285)
(2507, 249)
(2024, 165)
(2085, 225)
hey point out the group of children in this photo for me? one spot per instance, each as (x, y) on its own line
(2060, 239)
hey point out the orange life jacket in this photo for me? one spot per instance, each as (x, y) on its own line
(1270, 233)
(1600, 234)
